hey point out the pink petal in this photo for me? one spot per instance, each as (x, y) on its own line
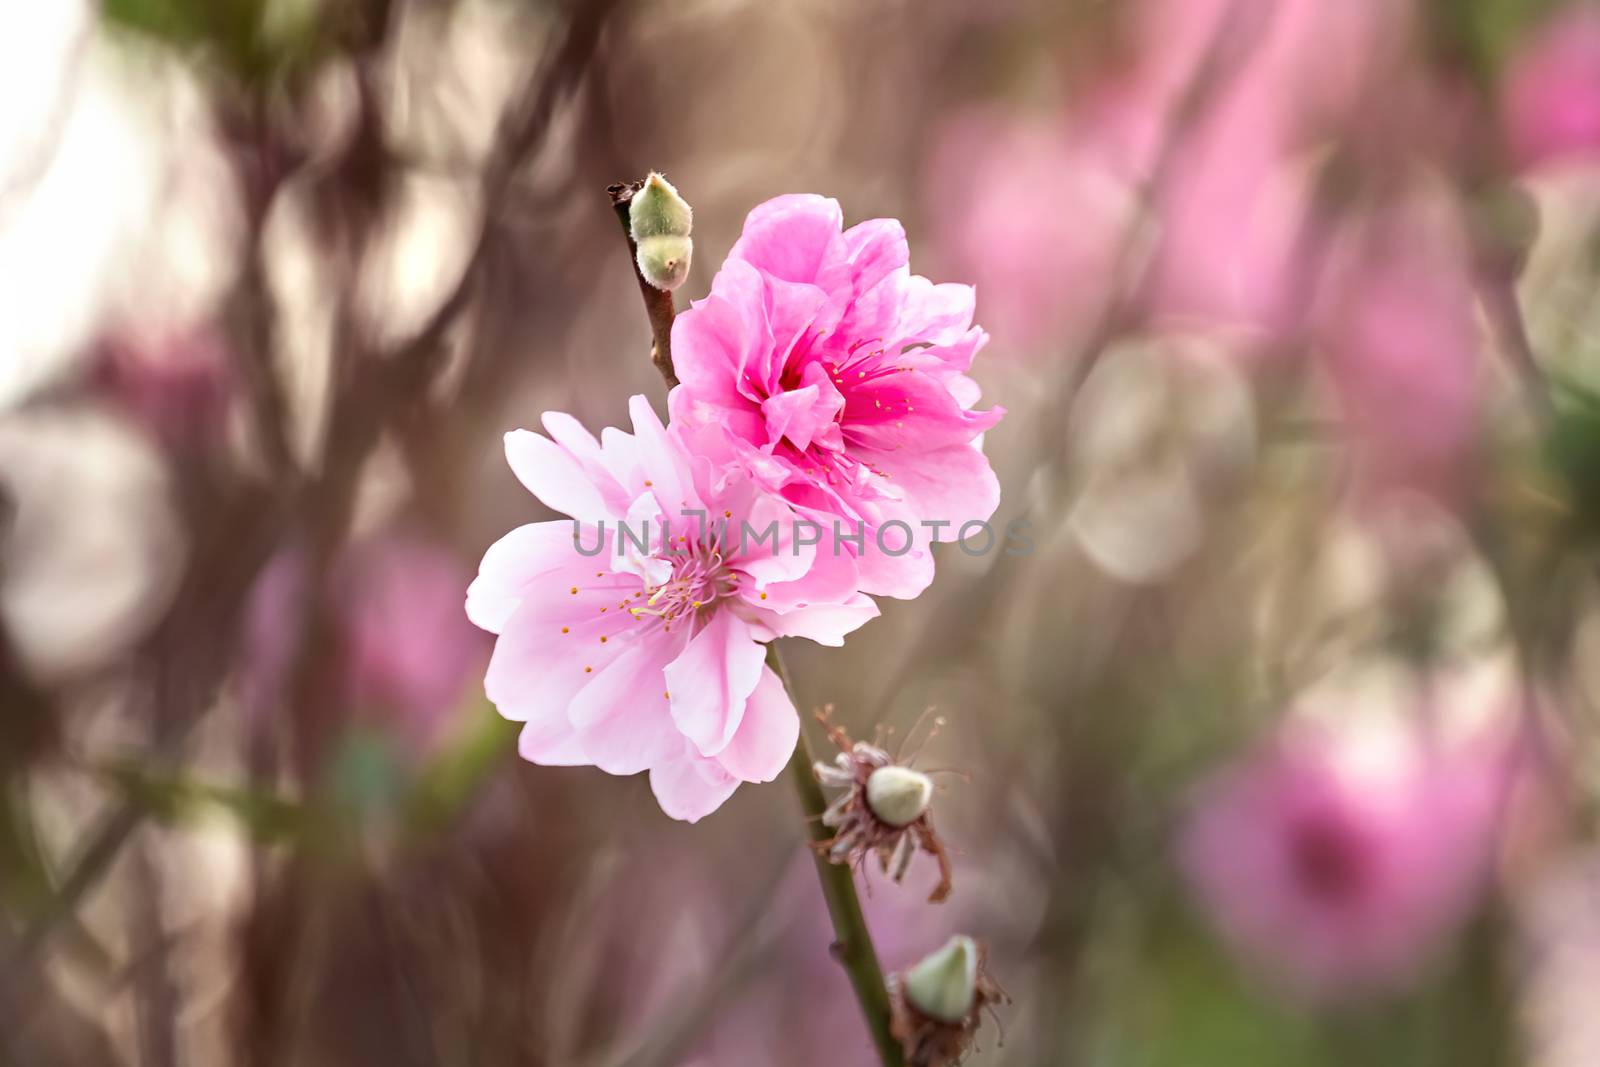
(712, 340)
(792, 237)
(711, 681)
(690, 788)
(953, 485)
(935, 314)
(622, 716)
(551, 742)
(554, 476)
(532, 676)
(831, 577)
(521, 559)
(765, 740)
(876, 248)
(660, 460)
(826, 624)
(774, 559)
(904, 576)
(570, 434)
(803, 415)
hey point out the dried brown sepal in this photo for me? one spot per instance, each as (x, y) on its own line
(930, 1042)
(858, 830)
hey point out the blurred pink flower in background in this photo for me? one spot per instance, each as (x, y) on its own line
(405, 645)
(1402, 345)
(1337, 879)
(842, 378)
(1041, 210)
(174, 385)
(402, 657)
(1036, 214)
(1550, 100)
(634, 659)
(1233, 227)
(1236, 209)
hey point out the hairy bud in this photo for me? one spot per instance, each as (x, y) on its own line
(664, 260)
(656, 210)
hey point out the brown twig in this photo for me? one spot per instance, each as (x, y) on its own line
(658, 304)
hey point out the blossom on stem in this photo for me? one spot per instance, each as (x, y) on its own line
(639, 647)
(841, 377)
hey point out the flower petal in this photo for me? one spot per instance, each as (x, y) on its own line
(711, 681)
(792, 237)
(690, 787)
(517, 562)
(765, 740)
(826, 624)
(622, 716)
(552, 474)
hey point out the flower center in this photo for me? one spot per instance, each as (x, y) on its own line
(700, 577)
(1327, 859)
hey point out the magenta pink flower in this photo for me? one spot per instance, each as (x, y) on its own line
(636, 651)
(1339, 883)
(842, 379)
(1551, 95)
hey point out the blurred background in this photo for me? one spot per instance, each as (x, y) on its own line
(1281, 742)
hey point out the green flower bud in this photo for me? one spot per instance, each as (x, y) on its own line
(898, 795)
(943, 986)
(656, 210)
(664, 260)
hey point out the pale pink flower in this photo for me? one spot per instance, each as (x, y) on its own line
(1551, 96)
(651, 658)
(1337, 882)
(842, 379)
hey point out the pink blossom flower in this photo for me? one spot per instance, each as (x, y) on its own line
(842, 378)
(647, 654)
(1338, 882)
(1551, 96)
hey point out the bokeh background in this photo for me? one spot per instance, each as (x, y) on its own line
(1279, 745)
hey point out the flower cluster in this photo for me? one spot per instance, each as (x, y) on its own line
(824, 388)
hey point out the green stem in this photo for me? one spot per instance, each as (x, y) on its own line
(852, 945)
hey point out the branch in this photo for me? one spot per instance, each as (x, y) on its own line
(852, 945)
